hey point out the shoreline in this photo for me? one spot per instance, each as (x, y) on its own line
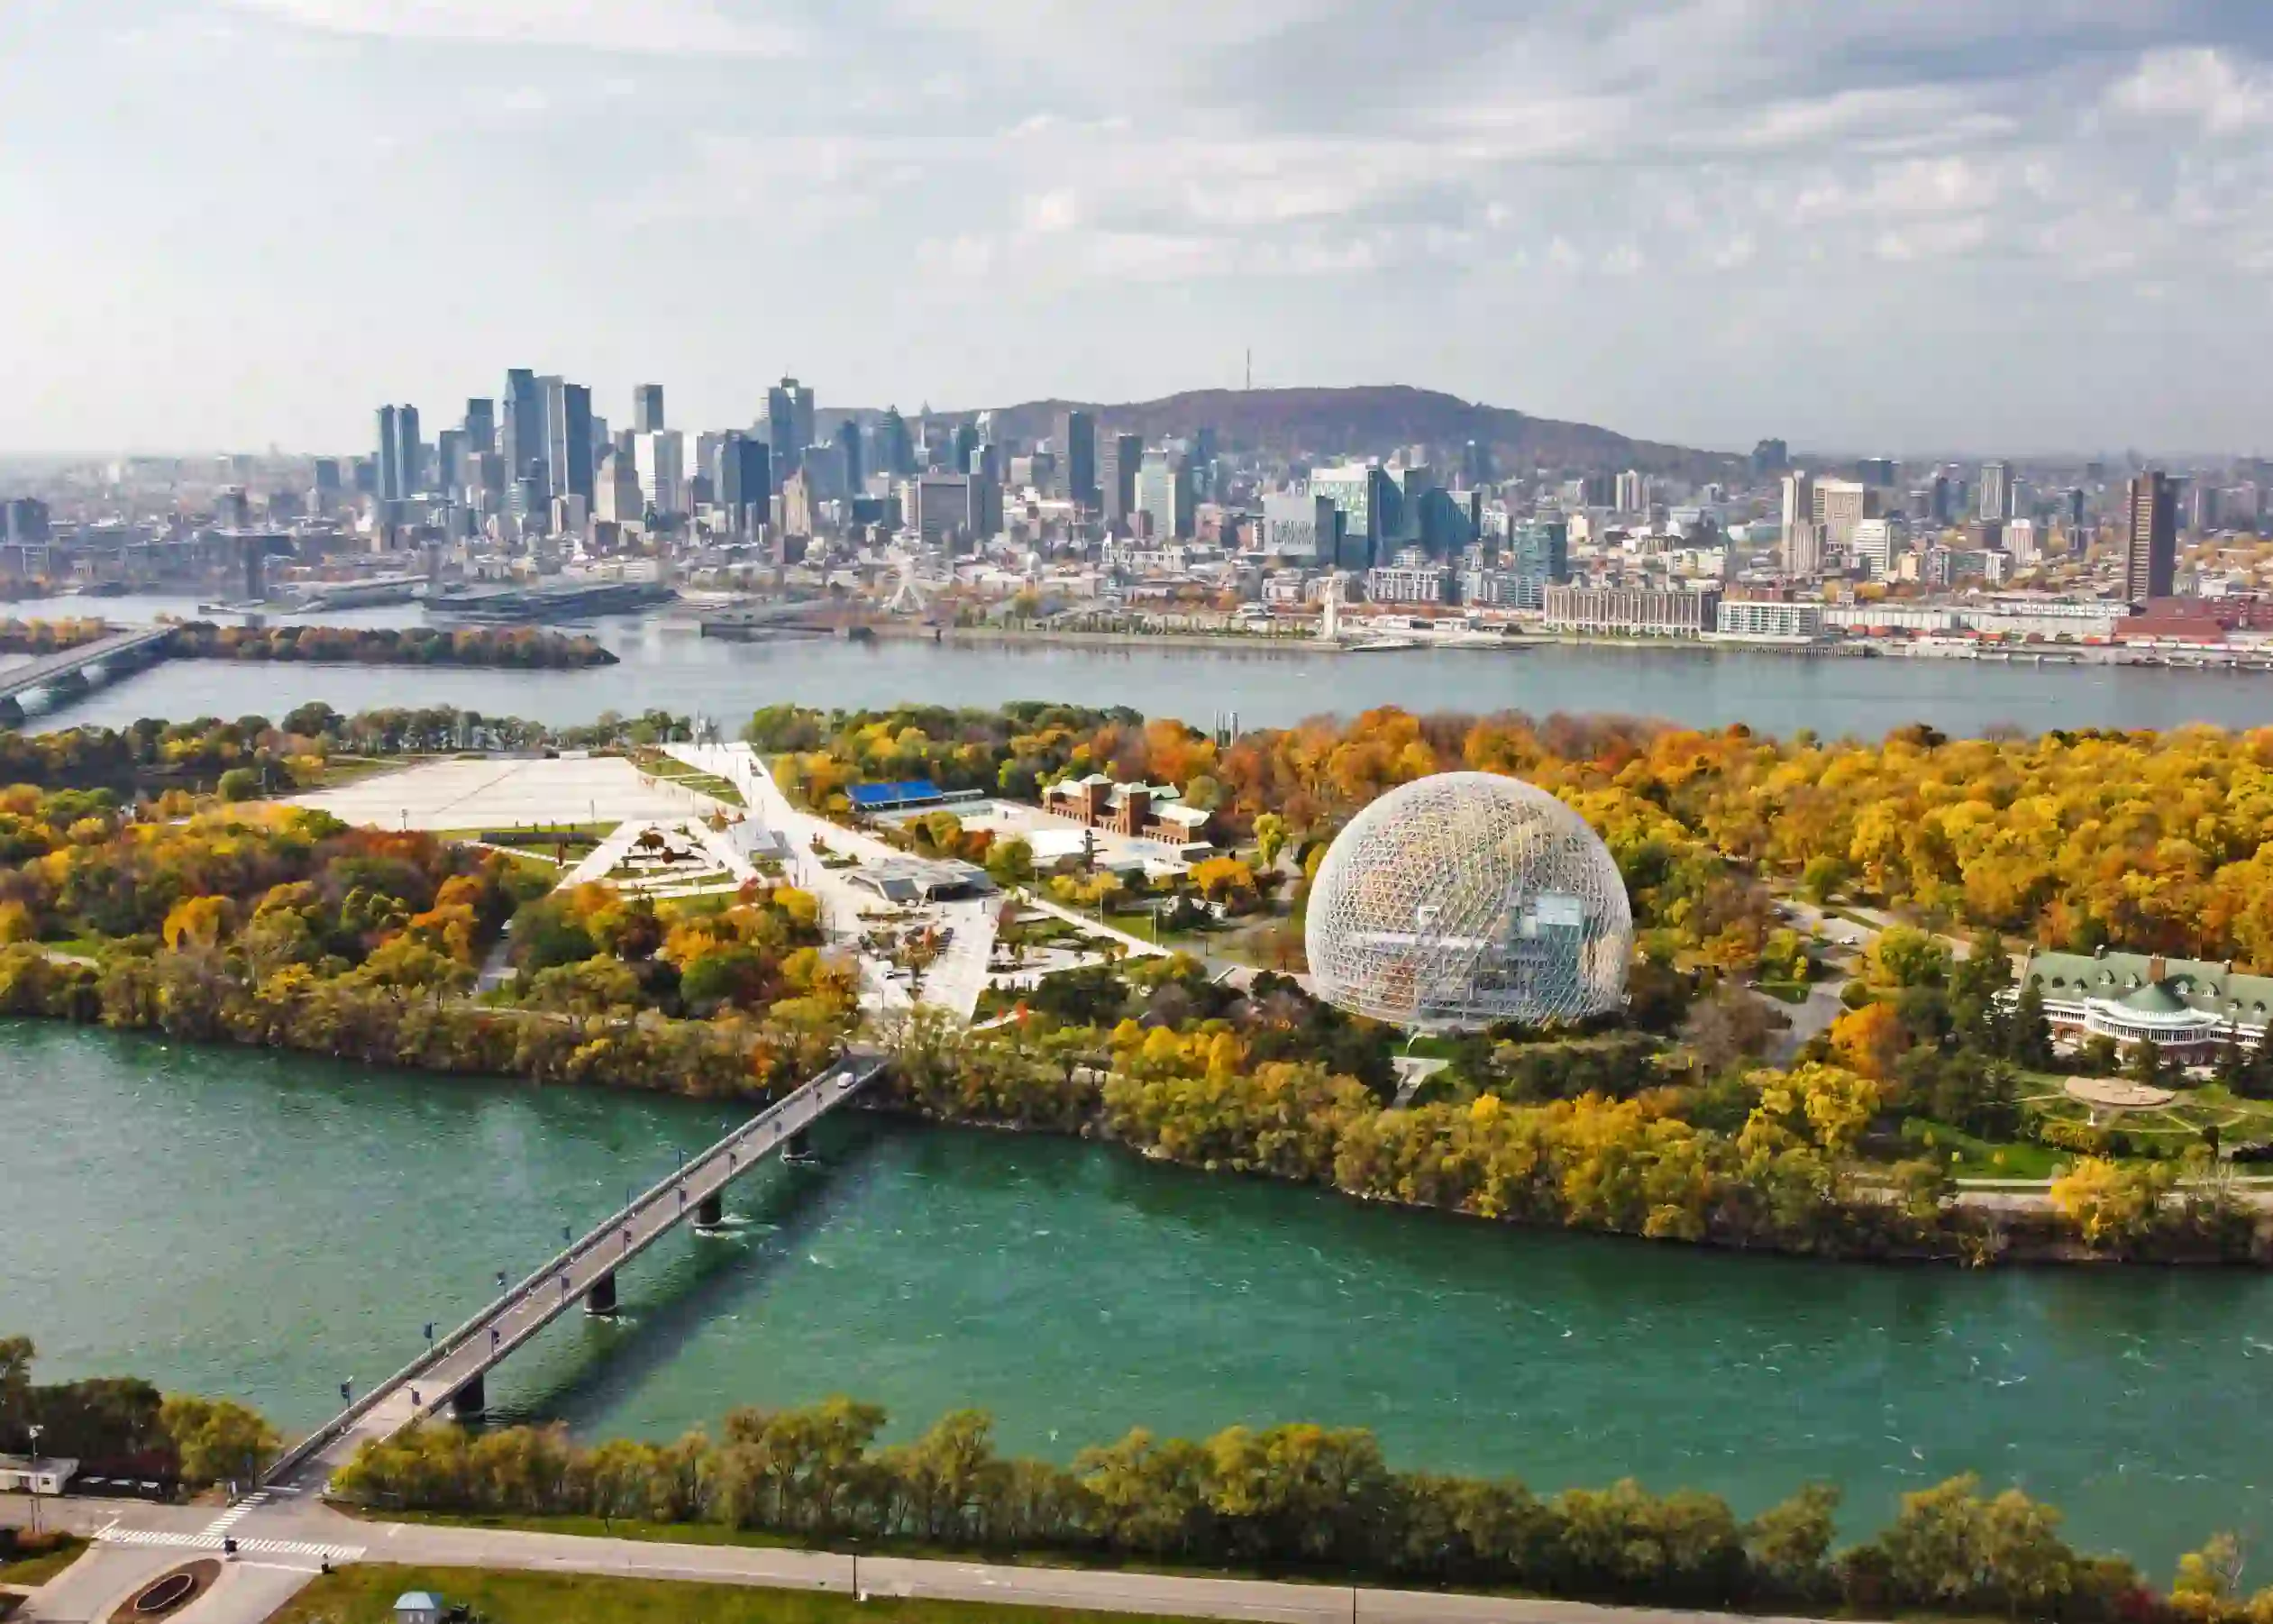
(2026, 1238)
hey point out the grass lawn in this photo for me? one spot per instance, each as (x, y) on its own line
(576, 840)
(339, 770)
(365, 1593)
(39, 1570)
(1790, 993)
(1982, 1158)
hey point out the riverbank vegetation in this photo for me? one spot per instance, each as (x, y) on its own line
(123, 1427)
(297, 749)
(38, 637)
(512, 648)
(286, 928)
(1295, 1499)
(1688, 1139)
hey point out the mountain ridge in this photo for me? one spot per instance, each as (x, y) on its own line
(1365, 419)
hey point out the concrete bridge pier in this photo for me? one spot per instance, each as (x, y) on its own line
(711, 1211)
(601, 1299)
(471, 1402)
(800, 1149)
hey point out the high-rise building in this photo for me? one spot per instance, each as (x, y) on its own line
(1077, 458)
(848, 452)
(2151, 551)
(1302, 530)
(25, 519)
(400, 451)
(1877, 543)
(943, 508)
(450, 462)
(743, 481)
(568, 437)
(1163, 496)
(659, 459)
(619, 498)
(1878, 472)
(1632, 494)
(895, 446)
(1841, 505)
(1119, 456)
(522, 426)
(788, 419)
(1538, 556)
(1373, 510)
(327, 476)
(1996, 491)
(1801, 542)
(647, 409)
(482, 426)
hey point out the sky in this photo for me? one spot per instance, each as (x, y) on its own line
(1871, 225)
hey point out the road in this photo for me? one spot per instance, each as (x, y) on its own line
(469, 1352)
(252, 1587)
(953, 983)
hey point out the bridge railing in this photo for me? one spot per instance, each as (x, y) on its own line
(316, 1441)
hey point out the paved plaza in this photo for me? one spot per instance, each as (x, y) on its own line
(496, 793)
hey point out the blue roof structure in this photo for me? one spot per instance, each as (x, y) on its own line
(882, 797)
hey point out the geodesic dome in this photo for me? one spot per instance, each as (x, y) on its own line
(1467, 899)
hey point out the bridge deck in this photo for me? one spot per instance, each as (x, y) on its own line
(484, 1341)
(18, 679)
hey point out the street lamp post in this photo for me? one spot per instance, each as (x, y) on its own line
(35, 1431)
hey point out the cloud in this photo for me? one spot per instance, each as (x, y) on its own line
(650, 27)
(1576, 188)
(2197, 85)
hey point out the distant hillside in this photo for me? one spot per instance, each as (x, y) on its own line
(1365, 421)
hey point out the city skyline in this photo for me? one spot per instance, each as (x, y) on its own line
(2010, 228)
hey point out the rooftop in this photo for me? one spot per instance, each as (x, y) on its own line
(2150, 985)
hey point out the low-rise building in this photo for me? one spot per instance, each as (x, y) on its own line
(1759, 621)
(1153, 811)
(1409, 584)
(1633, 611)
(2190, 1008)
(35, 1473)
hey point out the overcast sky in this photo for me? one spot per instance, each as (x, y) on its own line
(1871, 224)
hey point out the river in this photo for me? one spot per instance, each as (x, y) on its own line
(267, 1226)
(667, 665)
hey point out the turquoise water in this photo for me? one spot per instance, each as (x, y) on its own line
(267, 1226)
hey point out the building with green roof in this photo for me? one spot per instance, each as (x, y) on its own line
(2185, 1008)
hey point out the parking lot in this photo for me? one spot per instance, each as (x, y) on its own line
(498, 793)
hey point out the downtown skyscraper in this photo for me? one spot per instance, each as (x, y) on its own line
(399, 453)
(2150, 538)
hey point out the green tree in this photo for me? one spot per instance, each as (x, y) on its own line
(217, 1440)
(2028, 1033)
(240, 784)
(1790, 1543)
(1270, 837)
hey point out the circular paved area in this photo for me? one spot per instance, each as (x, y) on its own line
(2116, 1094)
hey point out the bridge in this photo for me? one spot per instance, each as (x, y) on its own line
(115, 651)
(450, 1374)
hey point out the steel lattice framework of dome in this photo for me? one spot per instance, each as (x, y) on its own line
(1464, 899)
